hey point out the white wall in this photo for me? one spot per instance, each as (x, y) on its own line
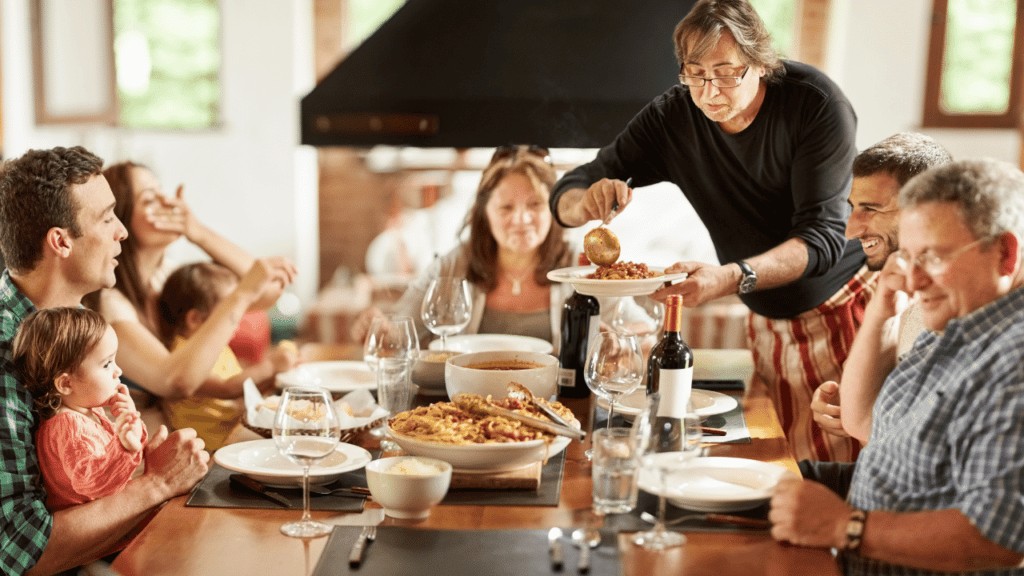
(878, 56)
(248, 179)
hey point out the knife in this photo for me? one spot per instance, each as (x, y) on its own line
(258, 487)
(355, 556)
(555, 548)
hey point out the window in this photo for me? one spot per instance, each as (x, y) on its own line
(779, 17)
(167, 57)
(364, 17)
(973, 76)
(150, 64)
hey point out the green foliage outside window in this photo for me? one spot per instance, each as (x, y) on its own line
(168, 58)
(365, 16)
(978, 56)
(778, 17)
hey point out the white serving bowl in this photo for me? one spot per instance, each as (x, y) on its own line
(407, 486)
(484, 458)
(469, 373)
(428, 370)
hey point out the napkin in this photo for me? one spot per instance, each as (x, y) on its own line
(355, 409)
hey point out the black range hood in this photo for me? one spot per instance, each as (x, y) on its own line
(481, 73)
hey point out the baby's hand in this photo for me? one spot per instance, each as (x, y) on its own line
(284, 356)
(128, 426)
(121, 401)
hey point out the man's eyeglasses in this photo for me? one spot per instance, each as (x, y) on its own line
(509, 150)
(717, 81)
(932, 263)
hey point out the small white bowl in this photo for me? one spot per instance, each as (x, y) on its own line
(407, 486)
(486, 373)
(428, 370)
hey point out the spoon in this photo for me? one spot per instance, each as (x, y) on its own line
(601, 245)
(723, 518)
(524, 394)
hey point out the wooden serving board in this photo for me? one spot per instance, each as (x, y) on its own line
(526, 478)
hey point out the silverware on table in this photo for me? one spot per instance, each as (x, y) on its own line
(579, 538)
(467, 402)
(256, 486)
(711, 517)
(366, 535)
(345, 491)
(555, 548)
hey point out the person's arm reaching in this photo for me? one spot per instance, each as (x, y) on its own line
(183, 372)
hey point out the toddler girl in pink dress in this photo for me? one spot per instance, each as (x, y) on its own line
(65, 358)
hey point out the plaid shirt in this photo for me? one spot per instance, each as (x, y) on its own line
(24, 521)
(948, 432)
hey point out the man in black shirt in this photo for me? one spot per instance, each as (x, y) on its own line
(762, 149)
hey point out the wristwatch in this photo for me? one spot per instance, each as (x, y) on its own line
(749, 280)
(855, 530)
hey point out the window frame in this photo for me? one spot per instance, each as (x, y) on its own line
(934, 116)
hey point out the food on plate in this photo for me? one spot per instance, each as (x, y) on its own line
(448, 423)
(510, 364)
(624, 271)
(301, 410)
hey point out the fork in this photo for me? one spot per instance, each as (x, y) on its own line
(367, 534)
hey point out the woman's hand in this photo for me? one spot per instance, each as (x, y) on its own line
(265, 281)
(174, 215)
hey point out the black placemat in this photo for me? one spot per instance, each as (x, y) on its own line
(733, 421)
(410, 551)
(719, 385)
(215, 491)
(547, 494)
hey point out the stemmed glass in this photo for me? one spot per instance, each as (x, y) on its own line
(614, 367)
(664, 464)
(393, 344)
(305, 431)
(447, 307)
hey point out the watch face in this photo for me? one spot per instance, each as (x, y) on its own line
(747, 285)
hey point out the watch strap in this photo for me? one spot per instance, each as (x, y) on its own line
(855, 530)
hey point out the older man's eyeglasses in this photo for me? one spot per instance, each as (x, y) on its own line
(509, 150)
(934, 264)
(716, 81)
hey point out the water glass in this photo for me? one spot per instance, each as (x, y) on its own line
(615, 468)
(394, 390)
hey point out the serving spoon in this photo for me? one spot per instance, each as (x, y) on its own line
(524, 394)
(601, 245)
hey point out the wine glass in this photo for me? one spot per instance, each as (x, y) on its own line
(392, 339)
(614, 367)
(447, 307)
(305, 431)
(666, 435)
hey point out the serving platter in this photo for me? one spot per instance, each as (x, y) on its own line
(338, 376)
(577, 276)
(484, 458)
(261, 460)
(713, 484)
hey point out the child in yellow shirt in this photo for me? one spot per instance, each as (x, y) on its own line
(188, 296)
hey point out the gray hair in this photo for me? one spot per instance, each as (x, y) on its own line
(990, 194)
(698, 33)
(902, 156)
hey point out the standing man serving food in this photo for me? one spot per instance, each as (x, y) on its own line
(762, 149)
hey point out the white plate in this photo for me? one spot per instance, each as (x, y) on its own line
(482, 458)
(714, 484)
(492, 342)
(705, 402)
(577, 276)
(260, 460)
(336, 376)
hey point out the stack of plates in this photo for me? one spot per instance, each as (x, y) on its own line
(714, 484)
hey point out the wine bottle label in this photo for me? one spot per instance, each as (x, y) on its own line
(674, 386)
(566, 378)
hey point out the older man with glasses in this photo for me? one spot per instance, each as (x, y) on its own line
(762, 149)
(938, 488)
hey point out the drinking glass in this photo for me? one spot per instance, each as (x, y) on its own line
(394, 338)
(447, 307)
(305, 431)
(394, 392)
(390, 337)
(614, 367)
(614, 471)
(664, 464)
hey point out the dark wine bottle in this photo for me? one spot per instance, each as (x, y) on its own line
(581, 320)
(670, 373)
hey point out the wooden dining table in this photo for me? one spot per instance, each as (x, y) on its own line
(185, 541)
